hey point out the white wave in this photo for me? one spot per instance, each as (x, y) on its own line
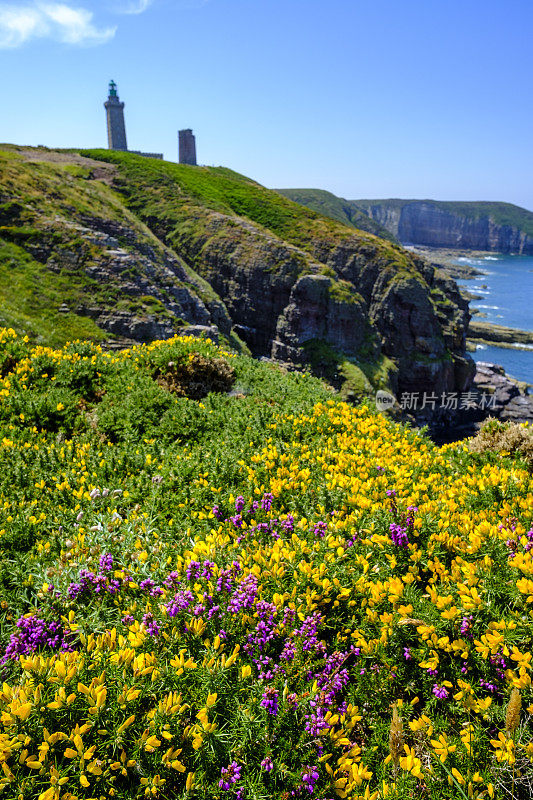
(493, 308)
(491, 258)
(521, 346)
(481, 346)
(480, 291)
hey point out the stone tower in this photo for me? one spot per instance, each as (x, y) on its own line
(116, 129)
(187, 147)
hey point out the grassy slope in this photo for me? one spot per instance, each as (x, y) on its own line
(49, 194)
(41, 202)
(500, 213)
(337, 208)
(167, 195)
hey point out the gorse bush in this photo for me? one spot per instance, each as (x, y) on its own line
(507, 437)
(260, 594)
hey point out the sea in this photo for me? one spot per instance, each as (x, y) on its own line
(506, 289)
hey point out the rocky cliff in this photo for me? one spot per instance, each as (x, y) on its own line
(289, 277)
(141, 249)
(499, 227)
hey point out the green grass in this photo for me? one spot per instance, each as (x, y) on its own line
(337, 208)
(30, 296)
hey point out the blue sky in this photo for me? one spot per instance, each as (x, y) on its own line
(365, 98)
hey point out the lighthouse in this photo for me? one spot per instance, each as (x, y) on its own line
(116, 129)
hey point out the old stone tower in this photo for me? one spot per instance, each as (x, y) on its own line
(187, 147)
(116, 129)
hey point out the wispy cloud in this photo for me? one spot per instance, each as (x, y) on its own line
(139, 6)
(136, 7)
(58, 21)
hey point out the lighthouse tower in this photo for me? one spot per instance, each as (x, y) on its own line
(116, 129)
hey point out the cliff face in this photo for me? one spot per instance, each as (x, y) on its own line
(289, 278)
(142, 249)
(439, 225)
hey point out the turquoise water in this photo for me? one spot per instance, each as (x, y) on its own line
(506, 288)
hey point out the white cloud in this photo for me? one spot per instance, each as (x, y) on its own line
(57, 21)
(137, 7)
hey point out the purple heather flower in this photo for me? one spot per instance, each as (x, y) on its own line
(152, 627)
(34, 633)
(127, 620)
(267, 764)
(398, 535)
(407, 653)
(216, 512)
(292, 700)
(288, 523)
(266, 502)
(440, 692)
(182, 600)
(309, 778)
(229, 776)
(207, 571)
(320, 529)
(193, 570)
(244, 595)
(269, 701)
(106, 562)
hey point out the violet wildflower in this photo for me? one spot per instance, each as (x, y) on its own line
(320, 529)
(106, 562)
(288, 523)
(182, 600)
(239, 503)
(229, 776)
(440, 692)
(269, 701)
(152, 627)
(207, 570)
(398, 535)
(266, 502)
(309, 778)
(267, 764)
(33, 634)
(193, 570)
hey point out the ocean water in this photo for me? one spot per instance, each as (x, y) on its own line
(506, 288)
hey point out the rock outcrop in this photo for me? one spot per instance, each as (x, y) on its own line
(159, 247)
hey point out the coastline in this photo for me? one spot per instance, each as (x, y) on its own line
(479, 332)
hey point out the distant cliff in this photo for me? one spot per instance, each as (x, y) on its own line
(500, 227)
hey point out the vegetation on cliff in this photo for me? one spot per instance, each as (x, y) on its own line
(255, 248)
(260, 593)
(504, 214)
(477, 225)
(113, 245)
(329, 205)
